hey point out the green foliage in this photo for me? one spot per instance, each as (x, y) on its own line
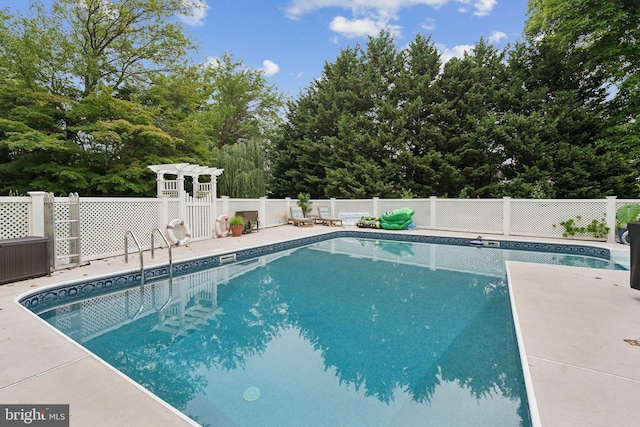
(236, 221)
(304, 201)
(77, 49)
(526, 122)
(573, 226)
(345, 137)
(90, 96)
(90, 118)
(606, 31)
(626, 214)
(241, 106)
(407, 194)
(603, 35)
(243, 165)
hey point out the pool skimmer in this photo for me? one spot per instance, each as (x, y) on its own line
(227, 258)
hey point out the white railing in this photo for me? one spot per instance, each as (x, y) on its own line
(104, 221)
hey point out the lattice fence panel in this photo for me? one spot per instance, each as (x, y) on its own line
(174, 210)
(476, 215)
(14, 217)
(537, 217)
(105, 222)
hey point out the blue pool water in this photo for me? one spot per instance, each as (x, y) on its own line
(344, 332)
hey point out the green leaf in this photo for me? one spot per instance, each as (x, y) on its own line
(626, 214)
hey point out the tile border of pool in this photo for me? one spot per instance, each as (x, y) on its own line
(37, 300)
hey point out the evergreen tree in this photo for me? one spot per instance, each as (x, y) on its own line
(467, 116)
(311, 138)
(556, 118)
(421, 163)
(370, 133)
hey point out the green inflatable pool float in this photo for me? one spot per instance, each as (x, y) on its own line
(369, 222)
(398, 219)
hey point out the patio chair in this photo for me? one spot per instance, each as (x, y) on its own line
(324, 217)
(297, 218)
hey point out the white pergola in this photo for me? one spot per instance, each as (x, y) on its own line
(203, 193)
(175, 188)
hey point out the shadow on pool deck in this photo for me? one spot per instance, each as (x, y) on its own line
(573, 321)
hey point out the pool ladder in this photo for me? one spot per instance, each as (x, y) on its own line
(139, 247)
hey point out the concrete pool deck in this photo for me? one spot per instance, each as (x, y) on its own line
(573, 321)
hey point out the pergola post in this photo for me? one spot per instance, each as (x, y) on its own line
(182, 197)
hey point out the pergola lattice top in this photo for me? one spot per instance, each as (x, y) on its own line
(185, 169)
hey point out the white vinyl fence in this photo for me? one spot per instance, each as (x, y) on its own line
(105, 220)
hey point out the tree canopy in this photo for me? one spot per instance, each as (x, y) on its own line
(606, 31)
(92, 92)
(529, 121)
(604, 35)
(79, 45)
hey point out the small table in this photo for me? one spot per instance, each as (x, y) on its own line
(251, 220)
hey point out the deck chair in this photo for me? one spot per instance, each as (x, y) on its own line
(324, 217)
(297, 218)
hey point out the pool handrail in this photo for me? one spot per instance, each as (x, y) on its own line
(126, 252)
(170, 262)
(168, 247)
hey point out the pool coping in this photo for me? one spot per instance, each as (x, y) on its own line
(251, 249)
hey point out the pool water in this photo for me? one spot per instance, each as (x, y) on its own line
(344, 332)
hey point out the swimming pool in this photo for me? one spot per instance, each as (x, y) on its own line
(418, 334)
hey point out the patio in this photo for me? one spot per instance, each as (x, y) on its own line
(573, 321)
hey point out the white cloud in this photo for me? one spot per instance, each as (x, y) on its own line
(456, 52)
(198, 12)
(355, 27)
(211, 61)
(484, 7)
(297, 8)
(270, 68)
(369, 17)
(496, 36)
(481, 7)
(429, 24)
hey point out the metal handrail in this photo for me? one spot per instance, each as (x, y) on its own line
(166, 242)
(126, 250)
(170, 262)
(126, 261)
(126, 253)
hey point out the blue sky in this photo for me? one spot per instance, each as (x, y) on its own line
(292, 39)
